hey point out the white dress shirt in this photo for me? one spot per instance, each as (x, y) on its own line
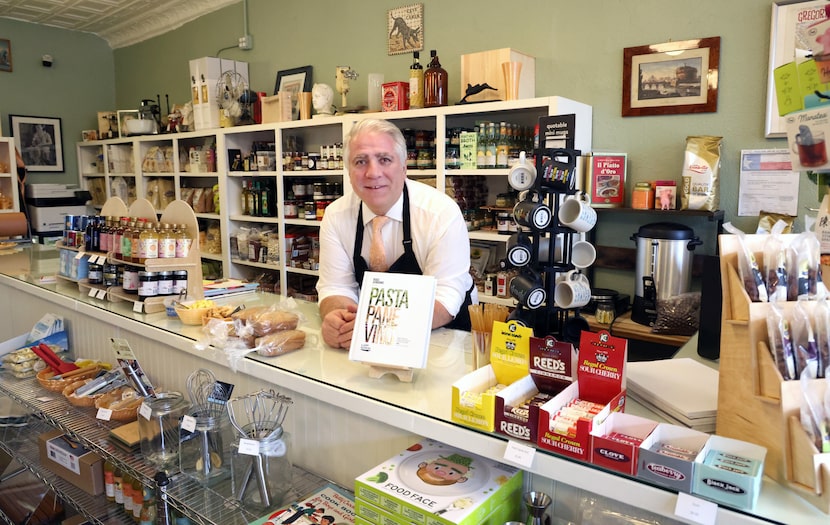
(439, 240)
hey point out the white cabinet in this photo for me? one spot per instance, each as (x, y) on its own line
(109, 163)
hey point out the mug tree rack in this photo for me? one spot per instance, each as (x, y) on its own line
(555, 180)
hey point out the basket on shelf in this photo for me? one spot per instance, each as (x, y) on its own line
(44, 377)
(84, 401)
(191, 316)
(124, 406)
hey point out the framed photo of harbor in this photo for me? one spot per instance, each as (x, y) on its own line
(671, 78)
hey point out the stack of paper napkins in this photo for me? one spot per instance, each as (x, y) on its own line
(682, 390)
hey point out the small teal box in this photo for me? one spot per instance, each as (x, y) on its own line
(725, 486)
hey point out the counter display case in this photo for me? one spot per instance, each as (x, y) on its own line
(345, 421)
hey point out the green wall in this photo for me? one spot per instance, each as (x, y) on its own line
(80, 83)
(578, 47)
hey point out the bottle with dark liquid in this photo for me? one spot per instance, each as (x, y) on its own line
(435, 83)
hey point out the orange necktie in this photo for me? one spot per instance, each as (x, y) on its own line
(377, 252)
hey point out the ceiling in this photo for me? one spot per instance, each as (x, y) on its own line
(120, 22)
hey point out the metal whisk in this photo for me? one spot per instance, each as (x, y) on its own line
(208, 397)
(258, 416)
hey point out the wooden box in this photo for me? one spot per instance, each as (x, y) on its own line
(485, 67)
(755, 403)
(276, 108)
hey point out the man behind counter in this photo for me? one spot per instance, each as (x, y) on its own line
(402, 209)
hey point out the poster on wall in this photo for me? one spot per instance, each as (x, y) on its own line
(39, 141)
(405, 29)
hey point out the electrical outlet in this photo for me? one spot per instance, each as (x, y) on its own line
(246, 42)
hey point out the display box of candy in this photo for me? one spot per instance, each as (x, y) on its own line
(667, 456)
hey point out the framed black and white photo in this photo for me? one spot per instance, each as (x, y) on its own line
(39, 141)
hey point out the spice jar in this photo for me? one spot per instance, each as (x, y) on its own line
(158, 428)
(605, 311)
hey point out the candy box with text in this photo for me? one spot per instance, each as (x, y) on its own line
(431, 483)
(615, 443)
(662, 458)
(600, 380)
(727, 480)
(474, 395)
(551, 370)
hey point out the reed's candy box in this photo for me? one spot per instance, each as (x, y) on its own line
(431, 483)
(566, 421)
(668, 454)
(474, 395)
(551, 371)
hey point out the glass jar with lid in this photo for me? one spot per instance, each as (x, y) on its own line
(159, 418)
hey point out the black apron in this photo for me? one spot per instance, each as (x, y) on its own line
(406, 263)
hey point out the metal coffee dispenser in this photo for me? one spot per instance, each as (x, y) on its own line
(664, 266)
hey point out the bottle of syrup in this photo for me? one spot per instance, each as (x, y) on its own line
(435, 83)
(416, 82)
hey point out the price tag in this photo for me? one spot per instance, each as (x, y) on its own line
(104, 414)
(79, 255)
(44, 399)
(138, 307)
(189, 423)
(102, 294)
(102, 259)
(145, 411)
(519, 454)
(695, 509)
(92, 292)
(249, 447)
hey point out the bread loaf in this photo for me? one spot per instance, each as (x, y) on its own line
(280, 342)
(266, 320)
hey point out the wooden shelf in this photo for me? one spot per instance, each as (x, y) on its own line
(623, 326)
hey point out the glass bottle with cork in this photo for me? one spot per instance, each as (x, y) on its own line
(435, 83)
(416, 82)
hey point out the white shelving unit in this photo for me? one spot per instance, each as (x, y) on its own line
(123, 158)
(8, 177)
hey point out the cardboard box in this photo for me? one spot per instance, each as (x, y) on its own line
(551, 371)
(468, 145)
(616, 455)
(72, 462)
(276, 109)
(473, 397)
(665, 195)
(724, 486)
(395, 96)
(485, 67)
(431, 483)
(669, 471)
(508, 511)
(600, 379)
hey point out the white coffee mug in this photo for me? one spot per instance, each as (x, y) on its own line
(572, 290)
(577, 214)
(583, 254)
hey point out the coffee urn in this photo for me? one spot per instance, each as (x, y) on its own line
(664, 266)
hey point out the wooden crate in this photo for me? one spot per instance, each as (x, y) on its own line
(478, 68)
(755, 404)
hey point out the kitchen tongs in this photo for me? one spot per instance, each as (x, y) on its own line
(55, 363)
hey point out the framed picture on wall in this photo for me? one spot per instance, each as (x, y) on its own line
(671, 78)
(405, 29)
(5, 55)
(39, 141)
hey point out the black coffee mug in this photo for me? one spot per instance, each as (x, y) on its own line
(532, 213)
(527, 288)
(519, 248)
